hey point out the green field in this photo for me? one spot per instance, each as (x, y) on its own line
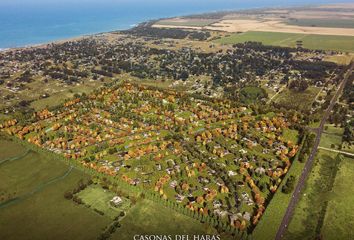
(297, 100)
(343, 59)
(311, 41)
(32, 204)
(98, 198)
(62, 94)
(339, 221)
(329, 23)
(146, 217)
(307, 212)
(331, 137)
(252, 94)
(9, 149)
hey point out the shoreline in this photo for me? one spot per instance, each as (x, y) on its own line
(201, 14)
(43, 45)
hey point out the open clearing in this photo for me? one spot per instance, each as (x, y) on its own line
(39, 209)
(331, 137)
(310, 41)
(147, 217)
(9, 149)
(297, 100)
(99, 199)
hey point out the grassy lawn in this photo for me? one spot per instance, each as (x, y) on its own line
(297, 100)
(98, 198)
(314, 124)
(64, 92)
(348, 147)
(340, 59)
(311, 41)
(252, 94)
(23, 175)
(147, 217)
(291, 135)
(339, 220)
(39, 210)
(331, 135)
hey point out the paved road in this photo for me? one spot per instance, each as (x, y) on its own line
(337, 151)
(295, 197)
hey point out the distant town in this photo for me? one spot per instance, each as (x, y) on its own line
(230, 125)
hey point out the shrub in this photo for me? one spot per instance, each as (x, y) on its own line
(68, 195)
(289, 185)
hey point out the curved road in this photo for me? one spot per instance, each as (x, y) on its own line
(295, 197)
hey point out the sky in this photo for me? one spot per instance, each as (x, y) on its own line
(159, 2)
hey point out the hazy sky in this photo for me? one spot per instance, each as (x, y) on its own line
(163, 2)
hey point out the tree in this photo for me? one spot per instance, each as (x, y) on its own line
(184, 75)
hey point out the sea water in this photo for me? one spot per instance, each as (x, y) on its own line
(29, 22)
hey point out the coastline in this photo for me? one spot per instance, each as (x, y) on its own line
(43, 45)
(201, 14)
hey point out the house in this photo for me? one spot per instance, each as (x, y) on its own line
(116, 201)
(247, 216)
(173, 184)
(179, 198)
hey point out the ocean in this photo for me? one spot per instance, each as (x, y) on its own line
(42, 21)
